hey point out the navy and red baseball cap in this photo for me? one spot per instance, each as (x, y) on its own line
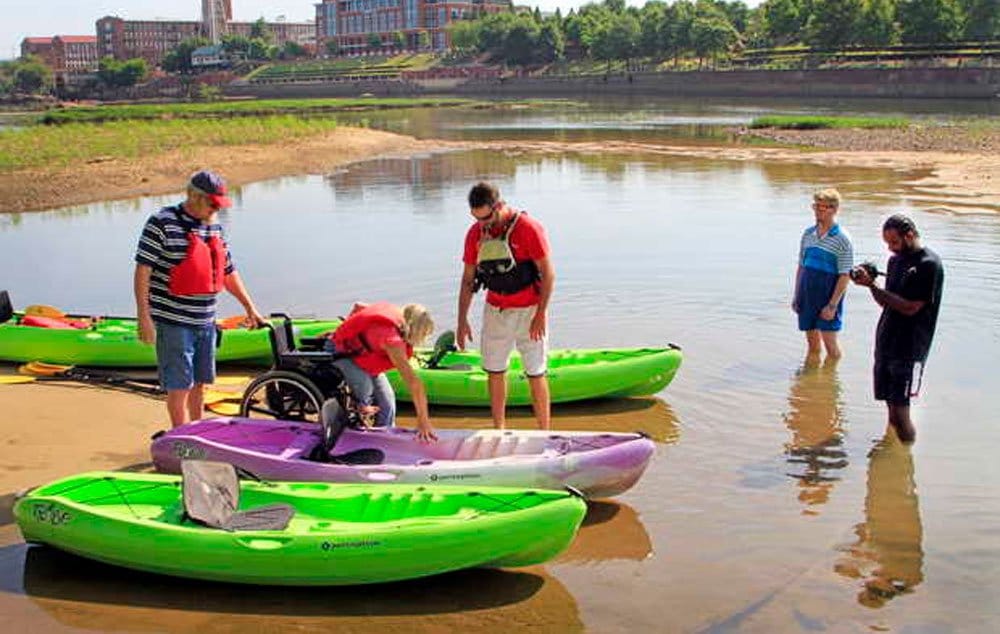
(212, 185)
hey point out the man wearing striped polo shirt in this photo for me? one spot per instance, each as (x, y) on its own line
(182, 263)
(826, 257)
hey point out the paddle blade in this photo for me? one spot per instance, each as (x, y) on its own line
(44, 310)
(224, 408)
(14, 379)
(40, 368)
(228, 323)
(232, 380)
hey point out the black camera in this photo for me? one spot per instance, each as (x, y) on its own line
(868, 267)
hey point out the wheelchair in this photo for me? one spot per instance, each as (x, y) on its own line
(301, 379)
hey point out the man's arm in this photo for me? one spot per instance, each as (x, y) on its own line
(546, 283)
(908, 307)
(140, 286)
(463, 331)
(234, 284)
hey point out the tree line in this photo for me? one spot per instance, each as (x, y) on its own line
(706, 29)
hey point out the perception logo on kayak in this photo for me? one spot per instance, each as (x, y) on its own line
(357, 544)
(186, 451)
(455, 476)
(50, 514)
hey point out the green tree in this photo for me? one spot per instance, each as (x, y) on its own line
(293, 50)
(930, 21)
(31, 75)
(423, 40)
(464, 36)
(259, 30)
(399, 40)
(374, 41)
(834, 23)
(333, 47)
(551, 44)
(784, 20)
(982, 19)
(179, 58)
(878, 23)
(652, 24)
(711, 36)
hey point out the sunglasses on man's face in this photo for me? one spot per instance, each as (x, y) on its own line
(482, 217)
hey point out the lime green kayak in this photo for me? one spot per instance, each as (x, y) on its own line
(338, 534)
(458, 379)
(112, 341)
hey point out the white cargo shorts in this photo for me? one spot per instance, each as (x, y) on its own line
(505, 328)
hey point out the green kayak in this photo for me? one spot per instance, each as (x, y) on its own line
(333, 534)
(458, 378)
(112, 341)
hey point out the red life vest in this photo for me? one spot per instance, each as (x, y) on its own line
(203, 269)
(349, 337)
(56, 323)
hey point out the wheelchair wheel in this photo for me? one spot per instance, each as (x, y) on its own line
(282, 395)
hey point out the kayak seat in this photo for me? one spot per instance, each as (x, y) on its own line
(359, 456)
(211, 493)
(6, 307)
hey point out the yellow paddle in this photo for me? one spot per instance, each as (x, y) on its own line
(223, 408)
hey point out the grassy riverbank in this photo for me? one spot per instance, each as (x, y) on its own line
(811, 122)
(248, 108)
(83, 143)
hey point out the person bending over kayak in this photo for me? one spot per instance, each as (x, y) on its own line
(375, 338)
(181, 265)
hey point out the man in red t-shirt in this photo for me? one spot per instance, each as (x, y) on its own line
(506, 252)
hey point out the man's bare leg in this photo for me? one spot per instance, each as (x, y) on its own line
(813, 343)
(540, 400)
(196, 402)
(177, 401)
(899, 419)
(498, 398)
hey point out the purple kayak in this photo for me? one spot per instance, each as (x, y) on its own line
(596, 464)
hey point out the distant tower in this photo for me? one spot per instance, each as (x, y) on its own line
(215, 14)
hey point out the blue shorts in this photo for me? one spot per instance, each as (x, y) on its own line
(185, 355)
(815, 289)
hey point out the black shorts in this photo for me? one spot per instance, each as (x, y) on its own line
(897, 380)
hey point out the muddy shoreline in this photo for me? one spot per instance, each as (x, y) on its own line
(951, 180)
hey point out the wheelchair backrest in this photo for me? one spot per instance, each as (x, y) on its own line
(6, 307)
(282, 336)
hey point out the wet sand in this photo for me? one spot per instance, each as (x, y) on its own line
(943, 179)
(53, 429)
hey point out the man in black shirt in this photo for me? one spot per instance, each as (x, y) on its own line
(910, 302)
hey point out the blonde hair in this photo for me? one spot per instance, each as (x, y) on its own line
(417, 324)
(830, 196)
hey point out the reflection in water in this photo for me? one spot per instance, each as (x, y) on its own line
(610, 530)
(888, 555)
(814, 418)
(86, 594)
(649, 415)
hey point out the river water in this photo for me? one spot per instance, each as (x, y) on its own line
(775, 501)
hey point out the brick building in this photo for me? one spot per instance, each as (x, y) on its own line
(40, 47)
(350, 23)
(148, 39)
(75, 54)
(64, 54)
